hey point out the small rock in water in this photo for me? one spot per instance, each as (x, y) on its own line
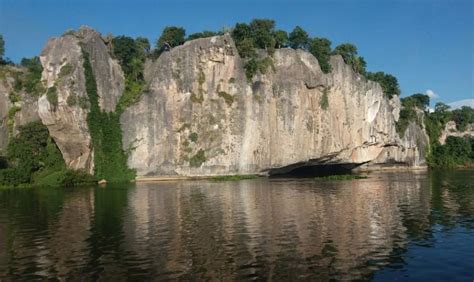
(102, 182)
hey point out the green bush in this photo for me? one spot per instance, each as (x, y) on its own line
(110, 161)
(389, 83)
(193, 137)
(321, 49)
(198, 159)
(83, 102)
(71, 100)
(324, 102)
(229, 99)
(52, 96)
(14, 97)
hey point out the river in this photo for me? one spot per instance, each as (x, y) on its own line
(390, 226)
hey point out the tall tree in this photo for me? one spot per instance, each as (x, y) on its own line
(299, 38)
(281, 38)
(2, 47)
(262, 33)
(321, 49)
(172, 36)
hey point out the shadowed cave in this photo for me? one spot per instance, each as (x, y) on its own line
(305, 170)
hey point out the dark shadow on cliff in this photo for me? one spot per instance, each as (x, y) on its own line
(312, 170)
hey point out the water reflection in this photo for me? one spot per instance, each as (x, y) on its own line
(254, 229)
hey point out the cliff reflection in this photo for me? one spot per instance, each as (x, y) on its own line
(279, 229)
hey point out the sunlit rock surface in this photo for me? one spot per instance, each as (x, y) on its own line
(201, 116)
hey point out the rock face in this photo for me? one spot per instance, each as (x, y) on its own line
(62, 61)
(201, 116)
(451, 130)
(26, 106)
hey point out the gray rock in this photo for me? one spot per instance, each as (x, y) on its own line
(275, 121)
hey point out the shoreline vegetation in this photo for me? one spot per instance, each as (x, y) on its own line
(341, 177)
(33, 159)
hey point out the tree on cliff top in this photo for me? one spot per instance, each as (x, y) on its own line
(388, 82)
(348, 52)
(299, 38)
(2, 47)
(172, 36)
(321, 49)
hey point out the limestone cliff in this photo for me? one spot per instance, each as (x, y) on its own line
(62, 60)
(16, 107)
(201, 116)
(450, 129)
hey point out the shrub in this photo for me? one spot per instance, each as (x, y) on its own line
(193, 137)
(14, 97)
(52, 96)
(321, 49)
(229, 99)
(324, 102)
(198, 159)
(71, 100)
(110, 161)
(388, 82)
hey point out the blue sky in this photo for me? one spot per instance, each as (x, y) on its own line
(426, 44)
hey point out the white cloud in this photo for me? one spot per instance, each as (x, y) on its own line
(431, 94)
(460, 103)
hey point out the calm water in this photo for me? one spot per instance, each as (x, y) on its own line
(391, 226)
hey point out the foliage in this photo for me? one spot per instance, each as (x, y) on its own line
(229, 99)
(52, 96)
(2, 47)
(262, 33)
(321, 49)
(198, 159)
(83, 102)
(143, 45)
(324, 102)
(110, 161)
(65, 70)
(298, 38)
(349, 54)
(203, 34)
(408, 113)
(388, 82)
(457, 151)
(234, 177)
(71, 100)
(193, 137)
(341, 177)
(31, 82)
(131, 54)
(463, 117)
(34, 158)
(281, 39)
(14, 97)
(171, 36)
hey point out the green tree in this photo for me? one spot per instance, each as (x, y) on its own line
(125, 49)
(2, 47)
(321, 49)
(262, 33)
(203, 34)
(32, 79)
(463, 117)
(298, 38)
(349, 54)
(143, 45)
(388, 82)
(281, 38)
(172, 36)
